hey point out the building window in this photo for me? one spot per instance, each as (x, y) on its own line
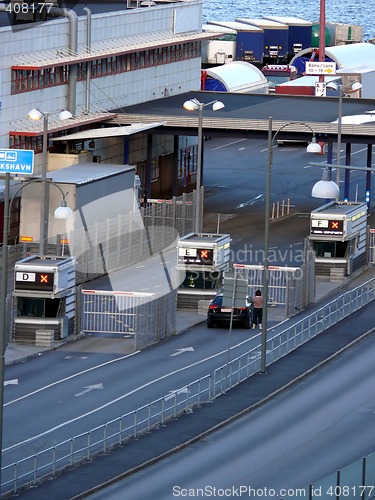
(29, 80)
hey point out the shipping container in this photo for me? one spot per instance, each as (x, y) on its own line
(344, 34)
(275, 37)
(250, 41)
(299, 33)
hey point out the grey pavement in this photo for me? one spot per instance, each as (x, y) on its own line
(18, 352)
(187, 429)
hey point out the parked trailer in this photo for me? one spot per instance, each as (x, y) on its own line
(250, 40)
(275, 37)
(299, 33)
(222, 48)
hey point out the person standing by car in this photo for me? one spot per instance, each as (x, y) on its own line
(257, 309)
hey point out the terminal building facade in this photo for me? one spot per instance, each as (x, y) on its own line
(90, 61)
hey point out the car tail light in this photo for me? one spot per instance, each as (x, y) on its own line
(212, 306)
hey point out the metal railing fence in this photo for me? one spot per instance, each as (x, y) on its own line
(356, 480)
(47, 463)
(102, 439)
(145, 317)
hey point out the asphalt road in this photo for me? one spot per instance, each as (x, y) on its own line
(70, 393)
(319, 425)
(134, 371)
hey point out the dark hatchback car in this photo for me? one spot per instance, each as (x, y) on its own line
(217, 314)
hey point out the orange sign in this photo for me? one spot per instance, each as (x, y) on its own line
(26, 239)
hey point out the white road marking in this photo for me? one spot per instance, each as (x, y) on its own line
(180, 351)
(89, 388)
(116, 400)
(11, 382)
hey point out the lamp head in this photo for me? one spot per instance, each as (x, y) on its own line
(314, 147)
(65, 115)
(326, 188)
(63, 211)
(35, 114)
(191, 105)
(218, 105)
(356, 86)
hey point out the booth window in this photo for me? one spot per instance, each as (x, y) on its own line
(40, 308)
(330, 249)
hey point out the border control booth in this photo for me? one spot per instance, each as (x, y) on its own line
(44, 295)
(203, 257)
(338, 237)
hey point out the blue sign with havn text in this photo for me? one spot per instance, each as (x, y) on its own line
(16, 161)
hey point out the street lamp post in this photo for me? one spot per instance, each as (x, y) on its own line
(354, 87)
(313, 147)
(36, 114)
(62, 212)
(194, 105)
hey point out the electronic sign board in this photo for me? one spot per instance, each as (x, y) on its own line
(197, 256)
(25, 280)
(327, 227)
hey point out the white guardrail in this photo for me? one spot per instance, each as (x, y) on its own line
(45, 464)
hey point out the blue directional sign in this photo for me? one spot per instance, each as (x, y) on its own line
(16, 161)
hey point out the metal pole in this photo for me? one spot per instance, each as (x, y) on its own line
(322, 35)
(266, 247)
(339, 131)
(4, 291)
(44, 191)
(199, 171)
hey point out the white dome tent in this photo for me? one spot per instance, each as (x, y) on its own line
(237, 76)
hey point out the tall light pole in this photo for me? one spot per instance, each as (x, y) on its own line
(62, 212)
(194, 105)
(313, 147)
(36, 114)
(354, 87)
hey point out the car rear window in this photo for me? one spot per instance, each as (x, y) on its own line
(218, 300)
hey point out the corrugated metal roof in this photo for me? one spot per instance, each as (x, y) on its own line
(87, 172)
(263, 23)
(236, 26)
(290, 21)
(97, 133)
(104, 48)
(214, 28)
(34, 128)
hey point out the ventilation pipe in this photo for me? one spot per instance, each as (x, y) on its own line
(88, 68)
(73, 46)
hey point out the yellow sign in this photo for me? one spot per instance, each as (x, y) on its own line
(26, 239)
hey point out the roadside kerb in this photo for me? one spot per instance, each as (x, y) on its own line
(225, 422)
